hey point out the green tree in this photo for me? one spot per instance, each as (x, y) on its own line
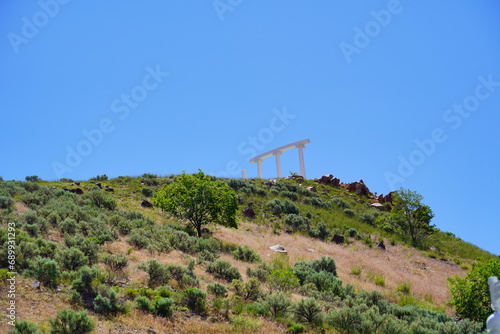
(410, 216)
(199, 200)
(470, 294)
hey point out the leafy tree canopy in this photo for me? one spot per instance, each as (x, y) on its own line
(410, 216)
(200, 200)
(470, 294)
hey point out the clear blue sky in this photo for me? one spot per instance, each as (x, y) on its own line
(397, 93)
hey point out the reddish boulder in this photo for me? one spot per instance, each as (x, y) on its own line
(359, 188)
(249, 213)
(146, 204)
(338, 239)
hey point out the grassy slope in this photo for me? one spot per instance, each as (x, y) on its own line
(425, 271)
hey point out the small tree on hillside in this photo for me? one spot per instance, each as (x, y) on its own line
(199, 200)
(471, 294)
(410, 216)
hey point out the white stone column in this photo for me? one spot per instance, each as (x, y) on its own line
(259, 168)
(301, 161)
(278, 164)
(243, 173)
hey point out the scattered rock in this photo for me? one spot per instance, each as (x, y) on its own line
(35, 284)
(338, 239)
(329, 180)
(312, 189)
(381, 245)
(146, 204)
(77, 183)
(311, 250)
(278, 248)
(77, 191)
(271, 182)
(111, 190)
(385, 199)
(99, 185)
(377, 206)
(249, 213)
(359, 188)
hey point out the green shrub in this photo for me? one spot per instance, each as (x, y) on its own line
(326, 263)
(307, 310)
(116, 263)
(296, 222)
(356, 270)
(33, 178)
(195, 300)
(45, 270)
(318, 202)
(349, 212)
(249, 290)
(277, 304)
(261, 272)
(291, 195)
(340, 202)
(296, 328)
(320, 232)
(224, 270)
(158, 274)
(282, 280)
(352, 232)
(106, 302)
(139, 238)
(217, 289)
(147, 192)
(6, 201)
(25, 327)
(68, 226)
(164, 307)
(71, 322)
(245, 253)
(208, 256)
(404, 288)
(72, 258)
(144, 304)
(100, 199)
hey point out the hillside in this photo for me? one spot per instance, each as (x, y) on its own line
(107, 230)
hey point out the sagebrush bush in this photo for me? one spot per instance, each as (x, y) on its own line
(307, 310)
(277, 304)
(340, 202)
(147, 192)
(144, 304)
(195, 300)
(224, 270)
(320, 232)
(158, 274)
(291, 195)
(217, 289)
(245, 253)
(106, 302)
(349, 212)
(318, 202)
(296, 222)
(116, 263)
(249, 290)
(6, 201)
(25, 327)
(164, 307)
(72, 258)
(70, 322)
(45, 270)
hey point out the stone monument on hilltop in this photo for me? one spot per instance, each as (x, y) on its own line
(493, 322)
(277, 153)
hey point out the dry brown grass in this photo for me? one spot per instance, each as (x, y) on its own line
(427, 277)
